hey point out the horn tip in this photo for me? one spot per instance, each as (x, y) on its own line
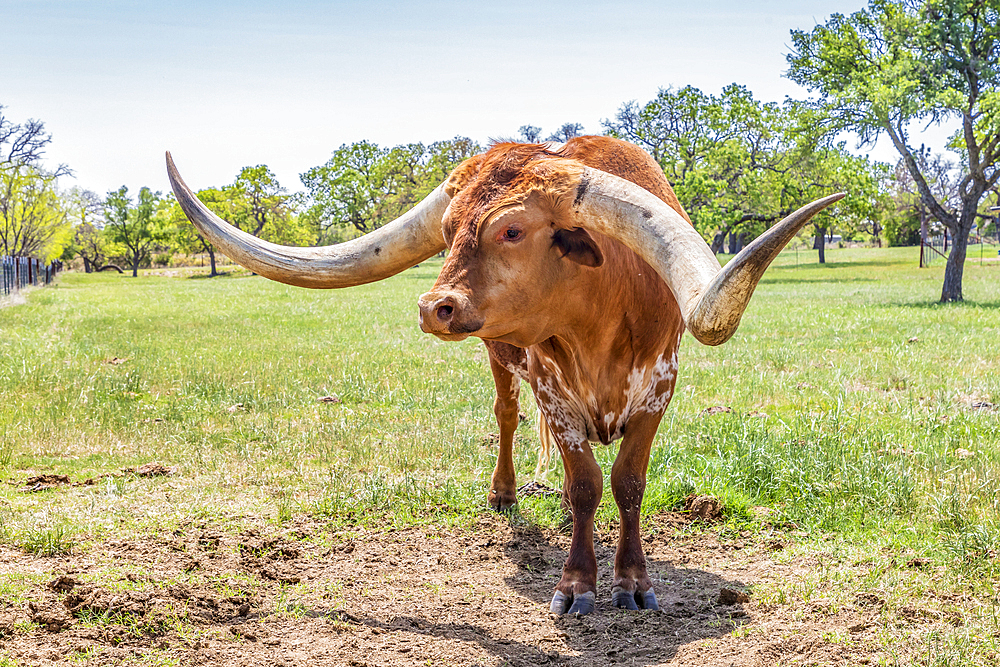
(171, 167)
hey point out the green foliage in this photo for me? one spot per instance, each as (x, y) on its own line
(363, 186)
(184, 236)
(258, 204)
(88, 240)
(739, 165)
(135, 228)
(902, 228)
(33, 217)
(255, 202)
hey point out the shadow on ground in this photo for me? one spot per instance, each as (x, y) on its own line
(688, 598)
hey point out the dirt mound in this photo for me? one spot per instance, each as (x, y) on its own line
(705, 508)
(43, 482)
(270, 557)
(152, 469)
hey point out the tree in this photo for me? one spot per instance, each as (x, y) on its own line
(911, 220)
(33, 218)
(363, 186)
(255, 202)
(351, 187)
(133, 226)
(260, 206)
(901, 62)
(86, 213)
(831, 168)
(88, 245)
(24, 144)
(566, 132)
(185, 236)
(717, 152)
(529, 134)
(440, 158)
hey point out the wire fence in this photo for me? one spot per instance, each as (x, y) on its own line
(934, 249)
(20, 272)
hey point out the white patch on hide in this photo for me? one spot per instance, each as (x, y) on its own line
(641, 394)
(571, 416)
(564, 412)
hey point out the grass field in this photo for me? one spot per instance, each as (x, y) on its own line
(863, 428)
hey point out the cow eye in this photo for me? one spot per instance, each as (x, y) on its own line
(512, 234)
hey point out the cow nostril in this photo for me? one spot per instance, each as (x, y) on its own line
(444, 313)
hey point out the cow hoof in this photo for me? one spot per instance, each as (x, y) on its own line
(572, 604)
(622, 599)
(500, 501)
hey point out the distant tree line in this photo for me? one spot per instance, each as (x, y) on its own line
(737, 164)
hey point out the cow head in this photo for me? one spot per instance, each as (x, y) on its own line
(514, 247)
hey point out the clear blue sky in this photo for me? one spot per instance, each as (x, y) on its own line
(226, 84)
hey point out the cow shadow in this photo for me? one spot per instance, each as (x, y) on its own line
(688, 599)
(687, 595)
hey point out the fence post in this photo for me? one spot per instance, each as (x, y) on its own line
(17, 272)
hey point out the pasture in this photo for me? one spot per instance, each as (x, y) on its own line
(850, 430)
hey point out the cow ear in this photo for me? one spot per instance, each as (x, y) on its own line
(576, 244)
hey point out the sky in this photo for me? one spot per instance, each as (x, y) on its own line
(224, 84)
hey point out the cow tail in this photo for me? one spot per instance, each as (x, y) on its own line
(546, 443)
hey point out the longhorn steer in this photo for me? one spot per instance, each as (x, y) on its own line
(580, 270)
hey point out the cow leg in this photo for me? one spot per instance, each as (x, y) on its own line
(503, 488)
(632, 587)
(576, 591)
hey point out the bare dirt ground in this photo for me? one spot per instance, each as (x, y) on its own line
(415, 596)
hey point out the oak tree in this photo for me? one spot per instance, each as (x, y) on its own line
(898, 64)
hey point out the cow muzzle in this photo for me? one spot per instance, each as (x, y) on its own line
(448, 315)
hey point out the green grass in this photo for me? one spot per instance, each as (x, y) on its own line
(851, 388)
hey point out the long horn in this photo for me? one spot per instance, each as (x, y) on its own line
(712, 298)
(407, 240)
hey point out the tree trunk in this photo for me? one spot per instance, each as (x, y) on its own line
(953, 269)
(951, 290)
(735, 243)
(135, 267)
(86, 265)
(718, 242)
(820, 244)
(211, 259)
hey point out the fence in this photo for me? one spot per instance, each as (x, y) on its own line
(935, 248)
(932, 249)
(20, 272)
